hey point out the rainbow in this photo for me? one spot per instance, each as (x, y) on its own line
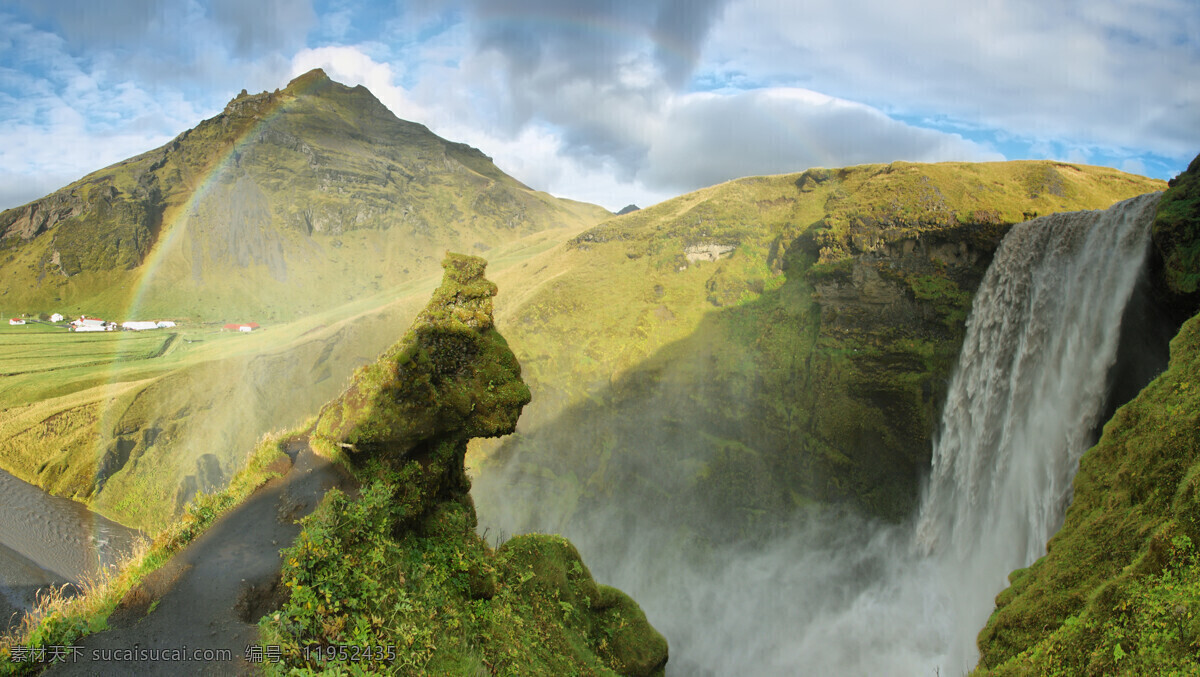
(170, 232)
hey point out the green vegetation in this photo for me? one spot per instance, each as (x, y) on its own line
(1118, 591)
(401, 565)
(1177, 232)
(446, 602)
(823, 309)
(311, 210)
(60, 619)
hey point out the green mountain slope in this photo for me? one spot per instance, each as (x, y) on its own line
(286, 203)
(726, 357)
(1118, 591)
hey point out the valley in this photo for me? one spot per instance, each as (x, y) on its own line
(740, 404)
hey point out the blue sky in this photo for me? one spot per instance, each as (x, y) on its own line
(620, 101)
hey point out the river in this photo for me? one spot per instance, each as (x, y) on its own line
(48, 540)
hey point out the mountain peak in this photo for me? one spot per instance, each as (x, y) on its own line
(310, 79)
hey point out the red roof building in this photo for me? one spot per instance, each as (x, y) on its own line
(241, 326)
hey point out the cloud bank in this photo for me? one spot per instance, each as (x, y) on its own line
(618, 101)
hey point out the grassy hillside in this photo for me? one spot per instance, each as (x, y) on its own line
(726, 357)
(287, 203)
(398, 569)
(1118, 591)
(134, 424)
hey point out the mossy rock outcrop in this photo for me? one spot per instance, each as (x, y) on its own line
(1177, 236)
(410, 413)
(401, 565)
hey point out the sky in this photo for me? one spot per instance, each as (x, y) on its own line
(622, 101)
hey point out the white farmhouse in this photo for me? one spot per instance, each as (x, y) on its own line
(56, 317)
(16, 321)
(139, 325)
(85, 323)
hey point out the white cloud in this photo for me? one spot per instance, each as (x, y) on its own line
(57, 127)
(644, 148)
(594, 99)
(707, 138)
(1105, 72)
(1133, 166)
(533, 153)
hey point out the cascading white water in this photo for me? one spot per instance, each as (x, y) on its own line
(839, 595)
(1028, 391)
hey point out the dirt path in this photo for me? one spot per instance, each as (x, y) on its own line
(208, 598)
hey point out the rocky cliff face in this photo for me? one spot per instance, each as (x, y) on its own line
(403, 561)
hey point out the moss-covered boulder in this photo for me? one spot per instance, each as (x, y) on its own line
(400, 568)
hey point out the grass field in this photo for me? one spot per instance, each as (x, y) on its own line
(135, 423)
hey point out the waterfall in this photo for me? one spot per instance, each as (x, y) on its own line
(842, 595)
(1027, 393)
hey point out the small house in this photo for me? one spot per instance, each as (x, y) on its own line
(16, 321)
(246, 327)
(56, 317)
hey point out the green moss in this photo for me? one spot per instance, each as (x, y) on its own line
(1117, 592)
(947, 298)
(450, 378)
(1177, 231)
(447, 602)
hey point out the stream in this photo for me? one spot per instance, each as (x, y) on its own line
(49, 540)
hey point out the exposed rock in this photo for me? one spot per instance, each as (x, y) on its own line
(811, 179)
(708, 252)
